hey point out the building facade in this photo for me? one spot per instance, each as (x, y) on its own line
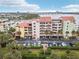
(47, 27)
(68, 25)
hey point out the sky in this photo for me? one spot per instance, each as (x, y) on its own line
(39, 5)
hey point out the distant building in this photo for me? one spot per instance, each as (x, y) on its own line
(3, 25)
(6, 24)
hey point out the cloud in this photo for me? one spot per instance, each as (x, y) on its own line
(19, 5)
(66, 8)
(23, 5)
(71, 8)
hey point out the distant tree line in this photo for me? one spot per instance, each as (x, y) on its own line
(20, 17)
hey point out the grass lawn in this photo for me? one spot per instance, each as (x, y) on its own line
(61, 52)
(36, 51)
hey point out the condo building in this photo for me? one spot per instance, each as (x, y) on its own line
(47, 27)
(25, 27)
(77, 27)
(35, 28)
(68, 25)
(57, 26)
(6, 24)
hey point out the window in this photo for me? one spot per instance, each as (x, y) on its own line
(34, 31)
(30, 32)
(42, 22)
(46, 22)
(30, 24)
(25, 27)
(25, 32)
(33, 23)
(54, 24)
(59, 24)
(48, 25)
(67, 26)
(34, 34)
(54, 27)
(60, 27)
(42, 25)
(68, 23)
(34, 26)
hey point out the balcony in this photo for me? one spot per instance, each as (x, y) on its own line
(42, 25)
(28, 34)
(48, 25)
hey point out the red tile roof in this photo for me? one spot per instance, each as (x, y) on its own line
(65, 18)
(35, 20)
(41, 19)
(24, 24)
(44, 19)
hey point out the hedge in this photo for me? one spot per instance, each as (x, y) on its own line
(34, 47)
(65, 48)
(54, 47)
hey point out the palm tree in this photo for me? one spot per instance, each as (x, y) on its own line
(46, 33)
(73, 33)
(67, 33)
(11, 30)
(4, 39)
(13, 55)
(77, 33)
(59, 33)
(51, 33)
(54, 56)
(14, 46)
(17, 35)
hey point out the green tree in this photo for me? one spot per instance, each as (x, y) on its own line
(77, 44)
(73, 33)
(13, 55)
(54, 56)
(70, 55)
(4, 38)
(46, 33)
(51, 33)
(67, 34)
(77, 33)
(11, 30)
(60, 32)
(29, 16)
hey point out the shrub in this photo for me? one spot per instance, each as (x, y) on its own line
(32, 56)
(34, 47)
(47, 52)
(64, 48)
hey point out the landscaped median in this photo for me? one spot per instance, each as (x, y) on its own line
(35, 52)
(54, 47)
